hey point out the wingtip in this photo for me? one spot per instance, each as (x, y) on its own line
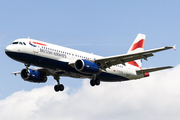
(171, 67)
(174, 47)
(169, 47)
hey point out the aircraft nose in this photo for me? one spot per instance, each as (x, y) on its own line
(8, 50)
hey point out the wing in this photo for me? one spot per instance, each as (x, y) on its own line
(107, 62)
(152, 69)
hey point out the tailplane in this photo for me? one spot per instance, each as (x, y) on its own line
(137, 46)
(152, 69)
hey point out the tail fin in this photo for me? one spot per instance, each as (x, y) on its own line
(137, 46)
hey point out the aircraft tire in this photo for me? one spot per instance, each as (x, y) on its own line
(56, 88)
(92, 82)
(97, 82)
(59, 87)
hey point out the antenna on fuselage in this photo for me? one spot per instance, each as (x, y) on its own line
(28, 37)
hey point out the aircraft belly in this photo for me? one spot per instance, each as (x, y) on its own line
(56, 64)
(108, 77)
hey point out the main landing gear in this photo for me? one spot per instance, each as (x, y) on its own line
(94, 82)
(58, 87)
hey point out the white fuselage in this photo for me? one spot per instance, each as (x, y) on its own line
(58, 59)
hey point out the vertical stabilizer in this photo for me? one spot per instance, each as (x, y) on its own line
(137, 46)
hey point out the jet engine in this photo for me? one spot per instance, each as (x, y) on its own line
(31, 75)
(86, 66)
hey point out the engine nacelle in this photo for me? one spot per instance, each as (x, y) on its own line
(33, 76)
(86, 66)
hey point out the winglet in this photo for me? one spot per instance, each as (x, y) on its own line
(174, 47)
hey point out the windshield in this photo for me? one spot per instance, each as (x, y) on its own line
(15, 43)
(21, 43)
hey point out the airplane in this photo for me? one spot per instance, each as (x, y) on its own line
(59, 61)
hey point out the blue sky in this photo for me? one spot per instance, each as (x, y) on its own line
(103, 27)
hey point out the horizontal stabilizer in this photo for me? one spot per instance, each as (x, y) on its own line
(152, 69)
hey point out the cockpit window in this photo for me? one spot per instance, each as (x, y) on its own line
(21, 43)
(15, 43)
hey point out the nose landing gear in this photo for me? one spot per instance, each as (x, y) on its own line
(27, 65)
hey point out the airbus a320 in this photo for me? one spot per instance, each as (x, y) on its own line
(60, 61)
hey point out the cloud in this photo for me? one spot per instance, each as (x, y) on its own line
(156, 97)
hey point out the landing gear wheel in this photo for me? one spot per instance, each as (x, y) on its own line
(92, 82)
(97, 82)
(59, 87)
(27, 65)
(56, 88)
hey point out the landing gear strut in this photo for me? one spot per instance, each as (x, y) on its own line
(58, 87)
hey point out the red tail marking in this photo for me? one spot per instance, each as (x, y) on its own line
(134, 64)
(139, 44)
